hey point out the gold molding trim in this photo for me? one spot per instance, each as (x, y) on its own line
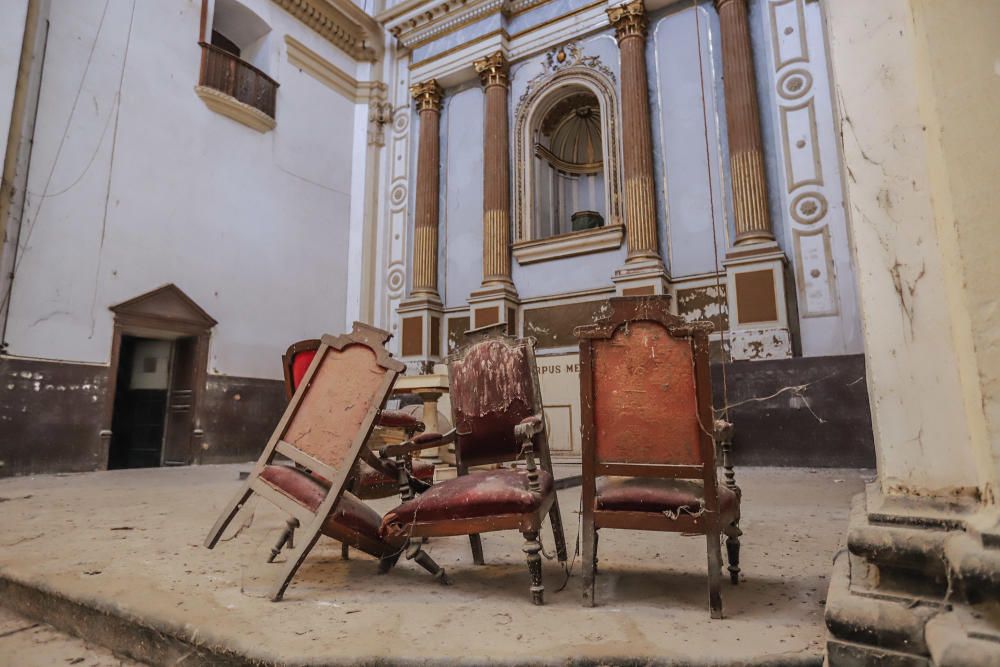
(460, 47)
(341, 23)
(493, 70)
(568, 167)
(428, 95)
(232, 108)
(609, 237)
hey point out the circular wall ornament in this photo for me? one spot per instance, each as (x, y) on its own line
(398, 194)
(395, 279)
(809, 208)
(795, 83)
(402, 120)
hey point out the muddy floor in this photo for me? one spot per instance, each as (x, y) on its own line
(133, 538)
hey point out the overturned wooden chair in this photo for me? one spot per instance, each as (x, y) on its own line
(497, 409)
(324, 430)
(649, 435)
(373, 477)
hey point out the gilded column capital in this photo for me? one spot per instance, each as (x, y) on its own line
(629, 19)
(493, 70)
(720, 4)
(428, 95)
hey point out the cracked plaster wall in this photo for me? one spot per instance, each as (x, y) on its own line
(918, 84)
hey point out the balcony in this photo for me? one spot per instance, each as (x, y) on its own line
(236, 89)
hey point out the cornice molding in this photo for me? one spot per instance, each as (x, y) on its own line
(329, 74)
(584, 242)
(340, 22)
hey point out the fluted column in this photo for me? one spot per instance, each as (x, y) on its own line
(425, 235)
(629, 21)
(746, 154)
(496, 170)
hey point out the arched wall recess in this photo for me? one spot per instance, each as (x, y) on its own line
(589, 74)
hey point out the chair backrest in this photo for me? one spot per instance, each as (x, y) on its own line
(295, 362)
(337, 401)
(493, 384)
(645, 389)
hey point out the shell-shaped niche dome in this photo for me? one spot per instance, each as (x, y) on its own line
(573, 127)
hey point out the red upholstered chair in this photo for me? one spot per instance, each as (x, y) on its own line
(374, 479)
(497, 410)
(325, 428)
(649, 434)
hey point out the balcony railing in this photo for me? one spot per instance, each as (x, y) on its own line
(228, 74)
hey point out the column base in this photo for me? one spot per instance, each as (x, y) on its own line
(494, 303)
(644, 277)
(420, 319)
(917, 584)
(758, 310)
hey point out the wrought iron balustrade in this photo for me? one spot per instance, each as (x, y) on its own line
(237, 78)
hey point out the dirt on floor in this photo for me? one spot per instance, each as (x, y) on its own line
(133, 539)
(27, 643)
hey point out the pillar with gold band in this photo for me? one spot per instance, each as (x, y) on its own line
(746, 153)
(630, 24)
(496, 301)
(420, 313)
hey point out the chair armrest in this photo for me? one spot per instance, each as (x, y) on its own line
(400, 419)
(421, 442)
(529, 427)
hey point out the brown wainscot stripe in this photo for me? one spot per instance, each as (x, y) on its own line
(755, 300)
(704, 304)
(412, 343)
(457, 326)
(553, 326)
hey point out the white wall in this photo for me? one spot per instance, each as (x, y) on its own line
(152, 187)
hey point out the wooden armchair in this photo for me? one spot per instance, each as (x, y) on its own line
(375, 478)
(324, 429)
(649, 434)
(496, 406)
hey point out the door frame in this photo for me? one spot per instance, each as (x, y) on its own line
(168, 313)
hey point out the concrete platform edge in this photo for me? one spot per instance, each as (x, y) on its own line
(158, 642)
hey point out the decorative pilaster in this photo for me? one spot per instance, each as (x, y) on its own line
(420, 314)
(746, 153)
(630, 24)
(496, 300)
(496, 175)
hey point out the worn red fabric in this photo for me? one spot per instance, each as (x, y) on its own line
(492, 390)
(309, 492)
(397, 419)
(647, 494)
(478, 494)
(300, 364)
(372, 483)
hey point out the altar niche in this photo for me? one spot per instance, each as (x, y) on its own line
(569, 165)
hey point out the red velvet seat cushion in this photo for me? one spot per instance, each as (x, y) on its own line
(300, 364)
(372, 483)
(309, 492)
(646, 494)
(478, 494)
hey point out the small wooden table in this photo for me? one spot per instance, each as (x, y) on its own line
(429, 388)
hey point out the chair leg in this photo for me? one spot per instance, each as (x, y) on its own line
(555, 518)
(532, 548)
(345, 551)
(414, 551)
(295, 561)
(733, 534)
(386, 563)
(287, 537)
(477, 549)
(589, 561)
(235, 505)
(714, 540)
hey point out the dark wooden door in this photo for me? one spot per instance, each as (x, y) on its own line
(180, 403)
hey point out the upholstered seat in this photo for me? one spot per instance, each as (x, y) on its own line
(309, 492)
(674, 497)
(478, 494)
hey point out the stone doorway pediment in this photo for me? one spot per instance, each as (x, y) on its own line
(167, 305)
